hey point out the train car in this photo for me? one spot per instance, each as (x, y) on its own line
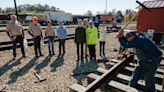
(152, 20)
(4, 19)
(57, 17)
(22, 18)
(105, 18)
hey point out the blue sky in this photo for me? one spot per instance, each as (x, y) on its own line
(78, 6)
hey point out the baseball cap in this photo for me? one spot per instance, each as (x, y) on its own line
(91, 22)
(129, 34)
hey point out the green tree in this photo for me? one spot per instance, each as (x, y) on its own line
(9, 9)
(89, 13)
(37, 8)
(23, 12)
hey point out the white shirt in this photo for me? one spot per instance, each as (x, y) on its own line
(103, 34)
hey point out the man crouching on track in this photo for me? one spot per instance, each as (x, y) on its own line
(15, 31)
(36, 32)
(149, 57)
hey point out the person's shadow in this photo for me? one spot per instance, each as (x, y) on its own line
(9, 65)
(16, 74)
(43, 64)
(84, 68)
(57, 63)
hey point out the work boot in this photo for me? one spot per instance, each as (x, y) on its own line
(63, 52)
(41, 55)
(14, 58)
(24, 56)
(53, 53)
(36, 57)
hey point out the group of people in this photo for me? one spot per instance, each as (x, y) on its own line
(15, 31)
(86, 35)
(35, 31)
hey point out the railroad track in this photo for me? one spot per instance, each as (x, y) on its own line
(2, 29)
(116, 78)
(8, 45)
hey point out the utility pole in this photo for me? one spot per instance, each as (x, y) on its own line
(16, 11)
(106, 6)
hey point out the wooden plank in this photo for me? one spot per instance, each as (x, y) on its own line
(115, 60)
(91, 77)
(162, 62)
(132, 64)
(77, 88)
(132, 69)
(141, 82)
(158, 70)
(124, 77)
(163, 84)
(157, 86)
(159, 76)
(129, 68)
(122, 87)
(110, 63)
(101, 70)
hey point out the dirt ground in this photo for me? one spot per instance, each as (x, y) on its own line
(18, 75)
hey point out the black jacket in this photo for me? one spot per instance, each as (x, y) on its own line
(80, 35)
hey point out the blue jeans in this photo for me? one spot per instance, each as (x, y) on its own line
(146, 69)
(51, 45)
